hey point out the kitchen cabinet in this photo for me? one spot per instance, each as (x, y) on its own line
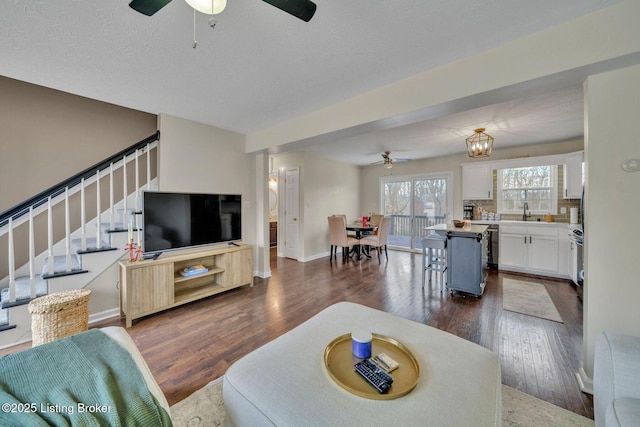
(531, 249)
(477, 181)
(572, 169)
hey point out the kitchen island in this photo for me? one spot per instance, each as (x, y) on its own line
(466, 256)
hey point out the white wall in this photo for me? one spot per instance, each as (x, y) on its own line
(370, 175)
(612, 199)
(194, 157)
(327, 187)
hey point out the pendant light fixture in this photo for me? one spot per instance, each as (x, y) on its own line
(479, 144)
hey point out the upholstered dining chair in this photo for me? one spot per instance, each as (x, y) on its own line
(375, 221)
(352, 234)
(339, 238)
(379, 241)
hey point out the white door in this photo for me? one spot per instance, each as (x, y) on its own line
(291, 203)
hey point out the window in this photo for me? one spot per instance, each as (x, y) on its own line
(537, 185)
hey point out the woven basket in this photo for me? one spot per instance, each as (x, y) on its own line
(59, 315)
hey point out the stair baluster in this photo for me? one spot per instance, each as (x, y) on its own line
(112, 210)
(83, 218)
(67, 230)
(32, 256)
(12, 268)
(125, 219)
(50, 259)
(98, 211)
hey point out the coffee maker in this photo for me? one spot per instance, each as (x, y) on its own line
(468, 211)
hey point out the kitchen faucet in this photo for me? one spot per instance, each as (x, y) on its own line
(524, 213)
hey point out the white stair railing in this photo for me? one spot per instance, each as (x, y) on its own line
(46, 206)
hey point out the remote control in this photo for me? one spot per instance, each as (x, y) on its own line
(378, 370)
(372, 377)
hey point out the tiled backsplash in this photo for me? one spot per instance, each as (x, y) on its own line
(492, 205)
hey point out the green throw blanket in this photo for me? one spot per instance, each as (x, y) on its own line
(83, 380)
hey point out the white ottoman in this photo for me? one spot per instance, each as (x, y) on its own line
(285, 383)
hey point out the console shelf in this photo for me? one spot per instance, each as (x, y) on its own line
(149, 286)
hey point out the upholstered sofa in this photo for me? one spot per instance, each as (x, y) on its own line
(616, 380)
(97, 377)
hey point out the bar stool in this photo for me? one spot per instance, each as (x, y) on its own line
(434, 257)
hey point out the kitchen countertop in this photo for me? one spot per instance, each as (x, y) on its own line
(516, 222)
(472, 228)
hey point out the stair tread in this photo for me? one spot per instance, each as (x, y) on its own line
(23, 289)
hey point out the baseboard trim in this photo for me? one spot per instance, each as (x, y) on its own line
(104, 315)
(585, 383)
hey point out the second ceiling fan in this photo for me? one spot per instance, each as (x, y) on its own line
(387, 160)
(302, 9)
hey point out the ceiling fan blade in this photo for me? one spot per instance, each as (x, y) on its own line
(148, 7)
(303, 9)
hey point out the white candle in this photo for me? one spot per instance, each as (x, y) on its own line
(130, 233)
(139, 241)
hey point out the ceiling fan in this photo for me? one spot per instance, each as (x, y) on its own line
(302, 9)
(387, 161)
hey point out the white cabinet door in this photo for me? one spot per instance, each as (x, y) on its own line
(512, 251)
(542, 253)
(573, 175)
(477, 182)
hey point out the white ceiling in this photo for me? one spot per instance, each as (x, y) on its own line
(260, 66)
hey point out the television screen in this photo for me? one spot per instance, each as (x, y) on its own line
(179, 220)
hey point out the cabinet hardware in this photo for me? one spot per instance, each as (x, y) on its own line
(529, 239)
(525, 240)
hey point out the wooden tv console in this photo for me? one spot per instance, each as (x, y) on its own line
(150, 286)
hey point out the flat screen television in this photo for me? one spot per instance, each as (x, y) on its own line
(181, 220)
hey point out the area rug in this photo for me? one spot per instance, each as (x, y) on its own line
(528, 298)
(205, 407)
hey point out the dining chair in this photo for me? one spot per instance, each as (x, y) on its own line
(375, 221)
(338, 237)
(379, 241)
(351, 234)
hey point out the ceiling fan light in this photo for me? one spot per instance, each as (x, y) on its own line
(388, 163)
(479, 144)
(207, 6)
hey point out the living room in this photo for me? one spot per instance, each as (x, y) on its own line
(235, 163)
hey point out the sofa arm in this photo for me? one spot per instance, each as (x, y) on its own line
(616, 372)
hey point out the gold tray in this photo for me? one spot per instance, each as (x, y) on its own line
(339, 361)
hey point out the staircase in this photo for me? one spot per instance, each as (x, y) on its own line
(50, 244)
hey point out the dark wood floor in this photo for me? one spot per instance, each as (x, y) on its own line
(191, 345)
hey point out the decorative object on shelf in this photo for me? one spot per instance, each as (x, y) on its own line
(133, 247)
(479, 144)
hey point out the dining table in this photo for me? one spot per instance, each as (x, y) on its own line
(360, 228)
